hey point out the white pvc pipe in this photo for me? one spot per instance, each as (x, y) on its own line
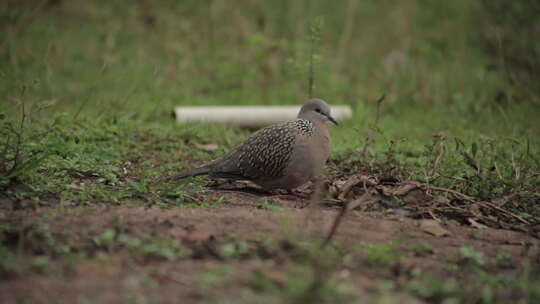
(249, 116)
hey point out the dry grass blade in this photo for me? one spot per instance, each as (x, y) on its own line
(471, 199)
(335, 226)
(501, 210)
(421, 203)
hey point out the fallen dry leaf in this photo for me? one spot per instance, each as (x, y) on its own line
(353, 181)
(441, 200)
(433, 227)
(399, 191)
(476, 224)
(347, 186)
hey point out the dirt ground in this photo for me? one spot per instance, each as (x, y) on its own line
(120, 277)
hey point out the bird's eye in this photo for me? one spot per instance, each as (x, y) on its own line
(318, 110)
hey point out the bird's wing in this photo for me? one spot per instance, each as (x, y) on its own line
(265, 154)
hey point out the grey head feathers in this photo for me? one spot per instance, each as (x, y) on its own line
(316, 110)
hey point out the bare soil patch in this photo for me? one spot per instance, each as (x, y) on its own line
(119, 275)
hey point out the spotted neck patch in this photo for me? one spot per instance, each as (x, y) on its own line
(304, 126)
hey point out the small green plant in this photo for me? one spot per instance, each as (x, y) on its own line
(8, 267)
(300, 284)
(147, 247)
(469, 255)
(380, 255)
(163, 248)
(16, 156)
(106, 239)
(40, 263)
(435, 289)
(235, 249)
(266, 205)
(504, 259)
(216, 277)
(422, 249)
(529, 280)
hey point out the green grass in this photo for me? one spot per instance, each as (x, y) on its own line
(87, 89)
(96, 104)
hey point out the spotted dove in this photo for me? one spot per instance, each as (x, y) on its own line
(281, 156)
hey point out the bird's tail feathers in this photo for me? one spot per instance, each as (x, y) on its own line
(193, 172)
(187, 173)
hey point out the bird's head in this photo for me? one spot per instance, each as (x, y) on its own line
(316, 110)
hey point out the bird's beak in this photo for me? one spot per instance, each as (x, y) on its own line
(333, 120)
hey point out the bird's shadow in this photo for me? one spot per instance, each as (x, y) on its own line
(252, 189)
(238, 186)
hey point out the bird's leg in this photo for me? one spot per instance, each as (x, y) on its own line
(298, 193)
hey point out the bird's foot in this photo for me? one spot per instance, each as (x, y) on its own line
(300, 193)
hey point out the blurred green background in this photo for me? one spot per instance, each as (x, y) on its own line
(147, 56)
(124, 57)
(462, 70)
